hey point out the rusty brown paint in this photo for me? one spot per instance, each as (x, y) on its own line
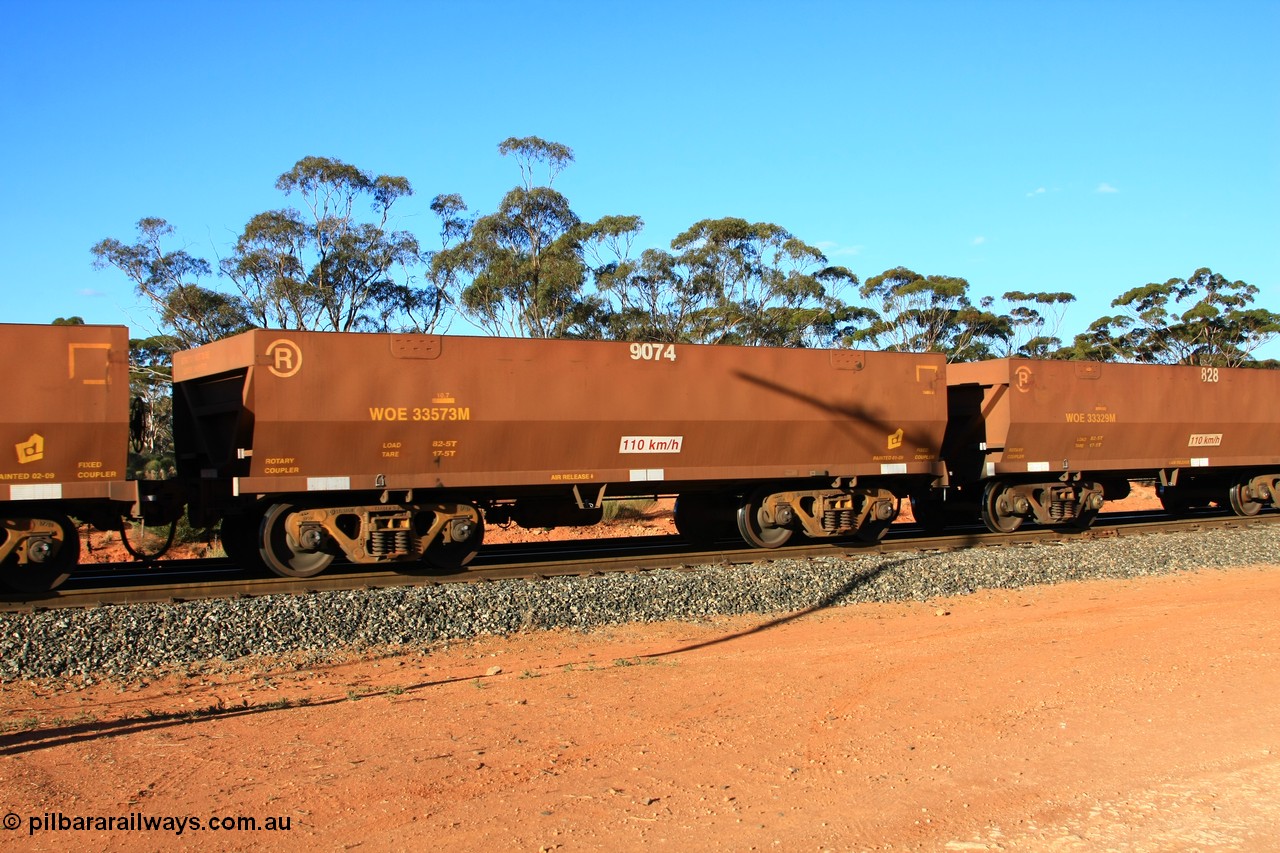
(64, 422)
(1060, 416)
(361, 411)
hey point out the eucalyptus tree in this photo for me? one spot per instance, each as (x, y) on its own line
(519, 270)
(1034, 322)
(171, 282)
(151, 397)
(916, 313)
(1204, 320)
(725, 281)
(324, 266)
(756, 284)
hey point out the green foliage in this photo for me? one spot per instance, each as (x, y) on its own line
(526, 270)
(324, 268)
(519, 270)
(151, 539)
(1201, 320)
(152, 465)
(1034, 321)
(529, 151)
(151, 398)
(726, 281)
(916, 313)
(627, 509)
(533, 267)
(170, 280)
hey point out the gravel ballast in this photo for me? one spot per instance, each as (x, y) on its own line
(128, 641)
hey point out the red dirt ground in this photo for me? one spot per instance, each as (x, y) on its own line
(1109, 715)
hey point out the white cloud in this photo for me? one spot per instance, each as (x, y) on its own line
(1037, 191)
(1105, 187)
(979, 240)
(834, 250)
(90, 292)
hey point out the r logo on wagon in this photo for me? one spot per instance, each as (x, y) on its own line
(285, 358)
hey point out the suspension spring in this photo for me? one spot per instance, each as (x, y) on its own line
(385, 542)
(1062, 510)
(836, 520)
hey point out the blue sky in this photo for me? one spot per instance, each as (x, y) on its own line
(1082, 147)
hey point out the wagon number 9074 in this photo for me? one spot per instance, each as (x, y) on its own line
(1208, 374)
(653, 352)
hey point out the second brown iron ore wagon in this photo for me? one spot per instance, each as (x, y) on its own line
(398, 447)
(1049, 441)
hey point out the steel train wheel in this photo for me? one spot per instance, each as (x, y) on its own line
(53, 570)
(1241, 503)
(752, 528)
(281, 553)
(455, 556)
(996, 521)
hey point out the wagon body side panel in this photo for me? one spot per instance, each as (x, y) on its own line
(371, 411)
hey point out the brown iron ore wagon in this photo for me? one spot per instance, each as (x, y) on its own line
(1049, 441)
(64, 440)
(385, 447)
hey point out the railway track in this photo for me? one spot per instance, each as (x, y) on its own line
(188, 580)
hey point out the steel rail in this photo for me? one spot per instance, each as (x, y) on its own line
(546, 560)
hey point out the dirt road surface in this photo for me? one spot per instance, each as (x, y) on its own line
(1115, 715)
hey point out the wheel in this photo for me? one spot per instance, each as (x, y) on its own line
(59, 557)
(1241, 503)
(753, 530)
(995, 520)
(281, 553)
(455, 556)
(703, 517)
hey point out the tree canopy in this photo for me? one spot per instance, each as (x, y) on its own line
(324, 267)
(333, 259)
(726, 281)
(1204, 319)
(170, 280)
(910, 312)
